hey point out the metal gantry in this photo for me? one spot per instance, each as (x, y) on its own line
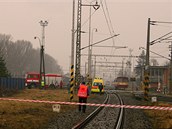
(78, 45)
(78, 41)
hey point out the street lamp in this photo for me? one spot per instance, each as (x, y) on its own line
(38, 39)
(43, 24)
(42, 62)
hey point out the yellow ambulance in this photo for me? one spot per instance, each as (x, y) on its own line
(95, 85)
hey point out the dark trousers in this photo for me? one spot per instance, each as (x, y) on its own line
(100, 91)
(82, 100)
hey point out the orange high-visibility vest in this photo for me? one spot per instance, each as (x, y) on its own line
(82, 92)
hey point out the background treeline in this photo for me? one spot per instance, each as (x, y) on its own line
(20, 57)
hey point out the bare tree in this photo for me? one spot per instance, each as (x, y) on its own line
(21, 57)
(140, 65)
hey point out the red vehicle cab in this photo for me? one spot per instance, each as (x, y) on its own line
(32, 79)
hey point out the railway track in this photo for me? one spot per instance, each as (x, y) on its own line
(120, 120)
(105, 117)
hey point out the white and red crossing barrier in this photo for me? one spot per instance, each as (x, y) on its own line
(89, 104)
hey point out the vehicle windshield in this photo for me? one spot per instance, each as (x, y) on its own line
(122, 79)
(32, 76)
(97, 83)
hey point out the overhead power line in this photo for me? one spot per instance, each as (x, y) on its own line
(109, 62)
(124, 56)
(109, 66)
(99, 41)
(107, 18)
(162, 22)
(156, 53)
(161, 38)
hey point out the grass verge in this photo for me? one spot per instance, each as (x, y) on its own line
(22, 115)
(160, 119)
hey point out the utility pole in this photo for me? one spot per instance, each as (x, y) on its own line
(146, 72)
(89, 48)
(96, 7)
(162, 38)
(148, 44)
(170, 79)
(95, 67)
(78, 46)
(86, 68)
(42, 62)
(129, 65)
(90, 54)
(130, 59)
(123, 67)
(72, 53)
(78, 42)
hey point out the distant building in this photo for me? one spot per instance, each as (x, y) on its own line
(159, 76)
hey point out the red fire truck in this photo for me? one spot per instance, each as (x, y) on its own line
(32, 79)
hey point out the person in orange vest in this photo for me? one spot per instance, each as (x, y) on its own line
(83, 93)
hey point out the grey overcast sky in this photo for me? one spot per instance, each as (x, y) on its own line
(20, 19)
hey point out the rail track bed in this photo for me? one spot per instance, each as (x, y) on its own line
(134, 118)
(107, 117)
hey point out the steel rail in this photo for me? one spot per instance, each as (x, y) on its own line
(120, 120)
(83, 123)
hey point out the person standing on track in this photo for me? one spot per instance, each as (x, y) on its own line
(83, 93)
(100, 88)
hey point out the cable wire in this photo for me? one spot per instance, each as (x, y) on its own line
(107, 21)
(160, 38)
